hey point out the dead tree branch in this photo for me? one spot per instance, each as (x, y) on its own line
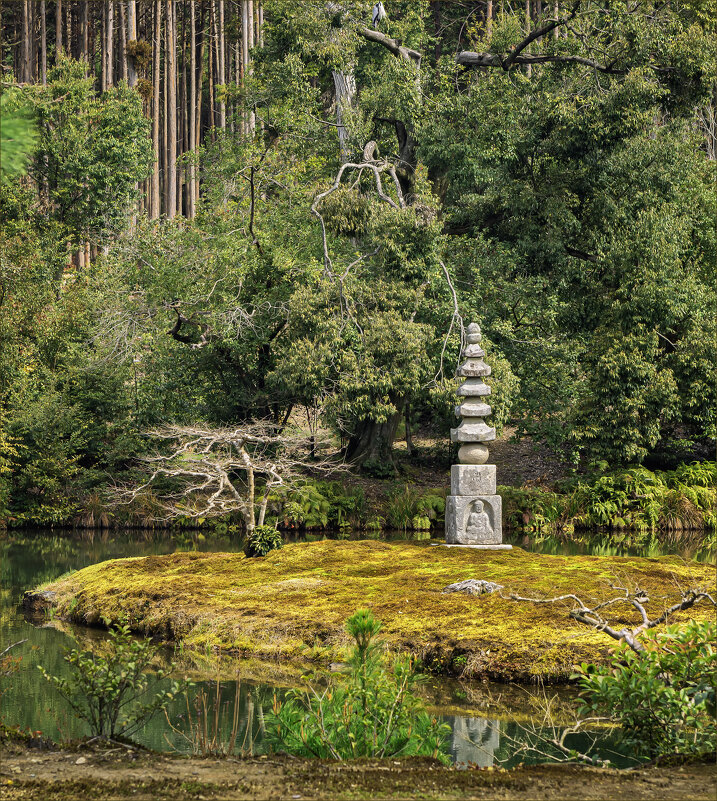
(636, 598)
(212, 472)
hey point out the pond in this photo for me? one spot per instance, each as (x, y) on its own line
(489, 722)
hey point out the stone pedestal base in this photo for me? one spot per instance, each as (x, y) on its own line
(474, 520)
(501, 547)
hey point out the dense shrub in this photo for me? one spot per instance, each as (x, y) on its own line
(111, 692)
(262, 540)
(663, 698)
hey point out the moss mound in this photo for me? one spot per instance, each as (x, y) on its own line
(293, 602)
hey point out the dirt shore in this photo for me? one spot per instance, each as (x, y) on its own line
(28, 774)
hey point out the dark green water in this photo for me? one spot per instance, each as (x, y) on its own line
(484, 718)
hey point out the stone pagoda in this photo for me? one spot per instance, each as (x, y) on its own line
(473, 510)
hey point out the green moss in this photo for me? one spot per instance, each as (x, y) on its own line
(293, 603)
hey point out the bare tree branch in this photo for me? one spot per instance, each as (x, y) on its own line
(392, 45)
(212, 472)
(592, 615)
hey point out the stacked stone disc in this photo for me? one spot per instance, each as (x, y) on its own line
(473, 510)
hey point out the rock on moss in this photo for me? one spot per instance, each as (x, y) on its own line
(293, 603)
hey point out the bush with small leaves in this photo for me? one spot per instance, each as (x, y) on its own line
(114, 693)
(262, 540)
(663, 697)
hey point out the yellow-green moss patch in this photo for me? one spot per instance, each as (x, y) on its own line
(293, 603)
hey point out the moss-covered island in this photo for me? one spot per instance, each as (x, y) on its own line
(293, 603)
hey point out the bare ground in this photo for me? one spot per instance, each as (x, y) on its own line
(59, 775)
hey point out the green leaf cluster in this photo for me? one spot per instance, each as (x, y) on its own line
(663, 698)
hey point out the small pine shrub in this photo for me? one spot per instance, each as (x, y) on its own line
(372, 712)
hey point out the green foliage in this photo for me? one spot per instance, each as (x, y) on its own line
(371, 712)
(18, 136)
(114, 692)
(635, 499)
(407, 508)
(261, 540)
(663, 698)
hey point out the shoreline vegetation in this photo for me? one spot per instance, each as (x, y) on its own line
(624, 507)
(292, 603)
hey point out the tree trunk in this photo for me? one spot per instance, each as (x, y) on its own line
(43, 42)
(192, 105)
(123, 43)
(373, 442)
(245, 54)
(345, 90)
(58, 30)
(219, 60)
(26, 44)
(171, 113)
(156, 65)
(68, 28)
(132, 39)
(183, 183)
(528, 68)
(109, 45)
(84, 34)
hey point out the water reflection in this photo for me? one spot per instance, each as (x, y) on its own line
(474, 741)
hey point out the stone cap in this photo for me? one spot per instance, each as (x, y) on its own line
(473, 334)
(472, 429)
(470, 408)
(473, 388)
(472, 368)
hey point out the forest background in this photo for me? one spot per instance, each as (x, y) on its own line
(176, 248)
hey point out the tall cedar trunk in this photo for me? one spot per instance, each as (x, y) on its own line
(103, 39)
(198, 107)
(556, 12)
(43, 42)
(26, 43)
(211, 122)
(528, 69)
(489, 20)
(165, 107)
(123, 43)
(219, 60)
(192, 106)
(84, 34)
(183, 183)
(345, 88)
(109, 44)
(373, 442)
(250, 38)
(156, 66)
(245, 52)
(58, 30)
(68, 28)
(171, 113)
(132, 39)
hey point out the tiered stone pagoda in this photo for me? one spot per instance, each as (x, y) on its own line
(473, 510)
